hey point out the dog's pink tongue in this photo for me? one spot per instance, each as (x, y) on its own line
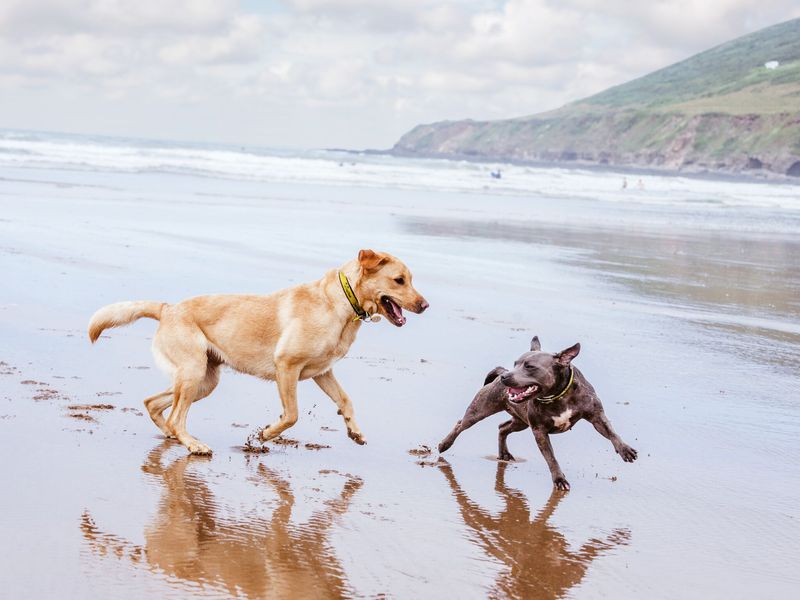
(397, 312)
(515, 391)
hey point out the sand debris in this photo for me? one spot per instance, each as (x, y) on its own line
(46, 394)
(7, 369)
(284, 441)
(421, 450)
(91, 407)
(252, 448)
(254, 445)
(82, 416)
(313, 446)
(325, 428)
(134, 411)
(431, 463)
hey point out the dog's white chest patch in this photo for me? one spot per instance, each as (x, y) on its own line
(563, 421)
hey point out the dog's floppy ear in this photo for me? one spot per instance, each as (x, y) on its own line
(567, 356)
(494, 374)
(370, 260)
(535, 345)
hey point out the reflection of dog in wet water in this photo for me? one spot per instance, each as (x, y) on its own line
(546, 393)
(255, 557)
(539, 562)
(293, 334)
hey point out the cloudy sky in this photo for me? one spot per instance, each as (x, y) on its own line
(334, 73)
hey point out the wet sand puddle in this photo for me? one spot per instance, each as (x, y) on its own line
(699, 378)
(192, 543)
(275, 535)
(537, 559)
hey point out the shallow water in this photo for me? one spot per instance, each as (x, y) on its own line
(688, 320)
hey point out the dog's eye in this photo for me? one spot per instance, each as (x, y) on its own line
(399, 280)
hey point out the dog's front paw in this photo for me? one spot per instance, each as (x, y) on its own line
(561, 483)
(357, 437)
(506, 456)
(199, 449)
(627, 453)
(443, 447)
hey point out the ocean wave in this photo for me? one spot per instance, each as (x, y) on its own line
(44, 150)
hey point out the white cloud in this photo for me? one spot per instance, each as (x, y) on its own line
(334, 72)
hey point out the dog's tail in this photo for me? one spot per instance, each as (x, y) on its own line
(122, 313)
(494, 374)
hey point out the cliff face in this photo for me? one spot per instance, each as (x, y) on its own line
(675, 141)
(721, 110)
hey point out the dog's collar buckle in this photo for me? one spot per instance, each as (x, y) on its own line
(361, 314)
(562, 393)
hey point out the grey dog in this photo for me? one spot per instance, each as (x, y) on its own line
(546, 393)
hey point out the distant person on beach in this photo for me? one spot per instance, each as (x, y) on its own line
(624, 183)
(640, 185)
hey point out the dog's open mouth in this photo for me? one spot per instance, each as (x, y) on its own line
(393, 311)
(518, 394)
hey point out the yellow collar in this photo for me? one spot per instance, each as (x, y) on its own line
(361, 314)
(549, 399)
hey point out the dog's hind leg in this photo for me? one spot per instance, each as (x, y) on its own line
(481, 407)
(603, 427)
(156, 405)
(186, 391)
(506, 428)
(328, 383)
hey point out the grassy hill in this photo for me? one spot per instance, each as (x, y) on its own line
(720, 110)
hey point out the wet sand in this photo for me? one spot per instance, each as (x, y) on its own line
(688, 320)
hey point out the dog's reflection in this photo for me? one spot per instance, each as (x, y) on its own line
(539, 562)
(194, 544)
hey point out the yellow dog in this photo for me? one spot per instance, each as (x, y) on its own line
(293, 334)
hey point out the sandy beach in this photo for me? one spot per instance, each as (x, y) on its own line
(685, 298)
